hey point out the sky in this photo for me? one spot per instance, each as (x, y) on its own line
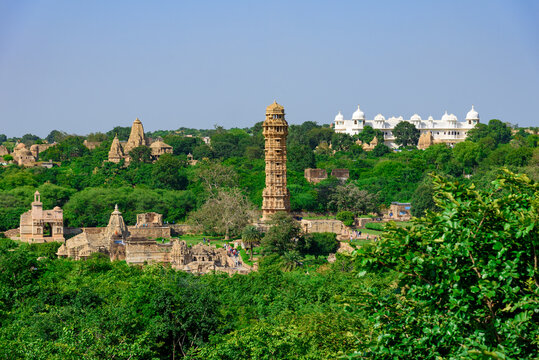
(87, 66)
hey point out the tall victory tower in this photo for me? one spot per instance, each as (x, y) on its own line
(276, 196)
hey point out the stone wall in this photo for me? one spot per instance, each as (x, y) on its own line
(141, 251)
(150, 232)
(180, 229)
(322, 225)
(315, 175)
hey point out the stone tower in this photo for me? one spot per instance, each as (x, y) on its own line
(116, 152)
(116, 229)
(136, 137)
(276, 196)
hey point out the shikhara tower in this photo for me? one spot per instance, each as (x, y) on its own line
(276, 196)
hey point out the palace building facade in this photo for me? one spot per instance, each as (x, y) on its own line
(448, 129)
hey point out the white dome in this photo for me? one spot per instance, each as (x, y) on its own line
(358, 114)
(415, 117)
(431, 118)
(445, 117)
(339, 117)
(379, 117)
(452, 117)
(472, 114)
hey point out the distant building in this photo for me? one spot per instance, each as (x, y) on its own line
(399, 211)
(38, 225)
(275, 195)
(447, 130)
(315, 175)
(119, 150)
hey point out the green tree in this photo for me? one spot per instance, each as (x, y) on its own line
(423, 199)
(300, 157)
(350, 198)
(226, 213)
(55, 136)
(169, 173)
(347, 217)
(3, 138)
(251, 236)
(140, 154)
(497, 130)
(469, 281)
(282, 236)
(406, 134)
(381, 149)
(122, 132)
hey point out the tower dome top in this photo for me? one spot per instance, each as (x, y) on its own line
(358, 114)
(379, 117)
(415, 117)
(275, 108)
(472, 114)
(339, 116)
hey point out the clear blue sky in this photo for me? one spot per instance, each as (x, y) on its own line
(86, 66)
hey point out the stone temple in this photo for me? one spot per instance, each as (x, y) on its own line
(276, 196)
(38, 225)
(119, 150)
(145, 243)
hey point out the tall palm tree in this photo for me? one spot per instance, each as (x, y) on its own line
(251, 235)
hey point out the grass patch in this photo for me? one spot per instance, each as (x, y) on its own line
(245, 257)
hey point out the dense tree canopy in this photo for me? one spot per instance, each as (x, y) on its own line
(406, 134)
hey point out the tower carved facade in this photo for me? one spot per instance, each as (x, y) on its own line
(276, 196)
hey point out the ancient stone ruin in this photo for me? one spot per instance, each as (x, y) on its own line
(38, 225)
(119, 150)
(276, 196)
(399, 212)
(315, 175)
(147, 242)
(341, 174)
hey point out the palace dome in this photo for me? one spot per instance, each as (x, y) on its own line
(358, 114)
(452, 117)
(445, 116)
(20, 146)
(379, 117)
(472, 114)
(339, 117)
(415, 117)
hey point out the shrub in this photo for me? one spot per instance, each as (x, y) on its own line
(375, 226)
(347, 217)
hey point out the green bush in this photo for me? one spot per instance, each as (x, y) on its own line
(347, 217)
(375, 226)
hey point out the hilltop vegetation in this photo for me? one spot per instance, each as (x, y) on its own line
(460, 283)
(87, 187)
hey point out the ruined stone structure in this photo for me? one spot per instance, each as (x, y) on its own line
(150, 219)
(91, 145)
(36, 149)
(159, 148)
(116, 152)
(425, 140)
(315, 175)
(22, 156)
(38, 225)
(276, 196)
(138, 245)
(341, 174)
(119, 151)
(3, 150)
(371, 145)
(199, 258)
(399, 212)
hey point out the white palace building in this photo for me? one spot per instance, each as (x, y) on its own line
(446, 130)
